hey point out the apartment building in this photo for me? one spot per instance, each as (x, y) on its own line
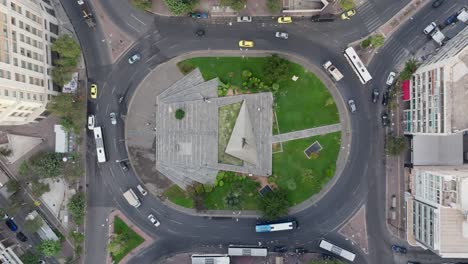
(28, 28)
(438, 210)
(438, 91)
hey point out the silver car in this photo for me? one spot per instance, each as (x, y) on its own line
(281, 35)
(153, 220)
(352, 106)
(113, 118)
(244, 19)
(134, 58)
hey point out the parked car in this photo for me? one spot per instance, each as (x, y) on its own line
(399, 249)
(91, 121)
(281, 35)
(21, 237)
(412, 262)
(451, 19)
(153, 220)
(352, 106)
(200, 33)
(198, 15)
(123, 165)
(391, 78)
(437, 3)
(284, 20)
(246, 44)
(280, 249)
(385, 119)
(375, 95)
(11, 224)
(93, 91)
(385, 98)
(323, 18)
(428, 30)
(113, 118)
(300, 250)
(134, 58)
(142, 190)
(244, 19)
(348, 14)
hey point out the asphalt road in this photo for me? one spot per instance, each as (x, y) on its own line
(162, 38)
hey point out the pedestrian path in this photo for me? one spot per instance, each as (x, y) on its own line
(370, 18)
(395, 50)
(306, 133)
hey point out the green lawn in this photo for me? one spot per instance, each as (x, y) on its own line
(303, 177)
(178, 196)
(133, 239)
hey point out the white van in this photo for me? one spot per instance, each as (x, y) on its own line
(142, 191)
(91, 122)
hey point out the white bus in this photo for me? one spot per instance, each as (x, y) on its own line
(357, 65)
(252, 251)
(260, 228)
(337, 250)
(101, 153)
(210, 258)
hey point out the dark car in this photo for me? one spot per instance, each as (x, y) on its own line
(451, 19)
(11, 224)
(437, 3)
(200, 33)
(399, 249)
(412, 262)
(124, 165)
(21, 237)
(375, 95)
(385, 98)
(385, 119)
(280, 249)
(323, 18)
(300, 250)
(198, 15)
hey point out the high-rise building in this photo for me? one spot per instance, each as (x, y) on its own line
(438, 210)
(28, 28)
(438, 92)
(7, 255)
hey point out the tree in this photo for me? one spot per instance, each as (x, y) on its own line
(38, 188)
(410, 67)
(70, 109)
(233, 200)
(234, 4)
(68, 50)
(180, 7)
(47, 165)
(24, 169)
(276, 69)
(5, 151)
(142, 4)
(30, 257)
(347, 4)
(274, 5)
(13, 186)
(61, 75)
(179, 114)
(50, 247)
(197, 192)
(77, 205)
(77, 238)
(395, 145)
(274, 204)
(32, 225)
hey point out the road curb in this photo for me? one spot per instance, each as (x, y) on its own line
(331, 87)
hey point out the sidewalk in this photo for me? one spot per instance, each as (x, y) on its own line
(139, 133)
(401, 17)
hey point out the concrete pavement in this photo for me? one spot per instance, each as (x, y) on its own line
(306, 133)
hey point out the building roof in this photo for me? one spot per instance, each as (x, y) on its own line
(438, 149)
(453, 243)
(61, 139)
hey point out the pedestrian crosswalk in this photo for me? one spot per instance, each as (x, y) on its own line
(369, 16)
(395, 50)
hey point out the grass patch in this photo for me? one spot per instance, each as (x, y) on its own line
(178, 196)
(132, 239)
(142, 4)
(227, 116)
(374, 41)
(347, 4)
(303, 177)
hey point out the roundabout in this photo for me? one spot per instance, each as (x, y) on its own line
(362, 176)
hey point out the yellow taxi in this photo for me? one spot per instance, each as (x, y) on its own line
(348, 14)
(285, 20)
(93, 91)
(246, 44)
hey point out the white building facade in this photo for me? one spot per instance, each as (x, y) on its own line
(7, 255)
(438, 91)
(28, 28)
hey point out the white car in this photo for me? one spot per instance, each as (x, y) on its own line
(113, 118)
(352, 106)
(391, 78)
(244, 19)
(281, 35)
(427, 30)
(91, 122)
(142, 191)
(134, 58)
(153, 220)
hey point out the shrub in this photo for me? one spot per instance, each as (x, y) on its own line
(179, 114)
(234, 4)
(366, 43)
(13, 186)
(395, 145)
(38, 188)
(274, 204)
(5, 151)
(77, 205)
(347, 4)
(185, 67)
(142, 4)
(274, 6)
(180, 7)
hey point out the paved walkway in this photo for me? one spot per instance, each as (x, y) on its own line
(306, 133)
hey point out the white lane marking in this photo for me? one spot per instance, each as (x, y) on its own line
(158, 213)
(113, 89)
(133, 27)
(174, 221)
(151, 58)
(107, 109)
(136, 18)
(133, 75)
(112, 172)
(115, 144)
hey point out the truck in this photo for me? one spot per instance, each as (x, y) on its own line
(86, 13)
(332, 70)
(131, 198)
(438, 37)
